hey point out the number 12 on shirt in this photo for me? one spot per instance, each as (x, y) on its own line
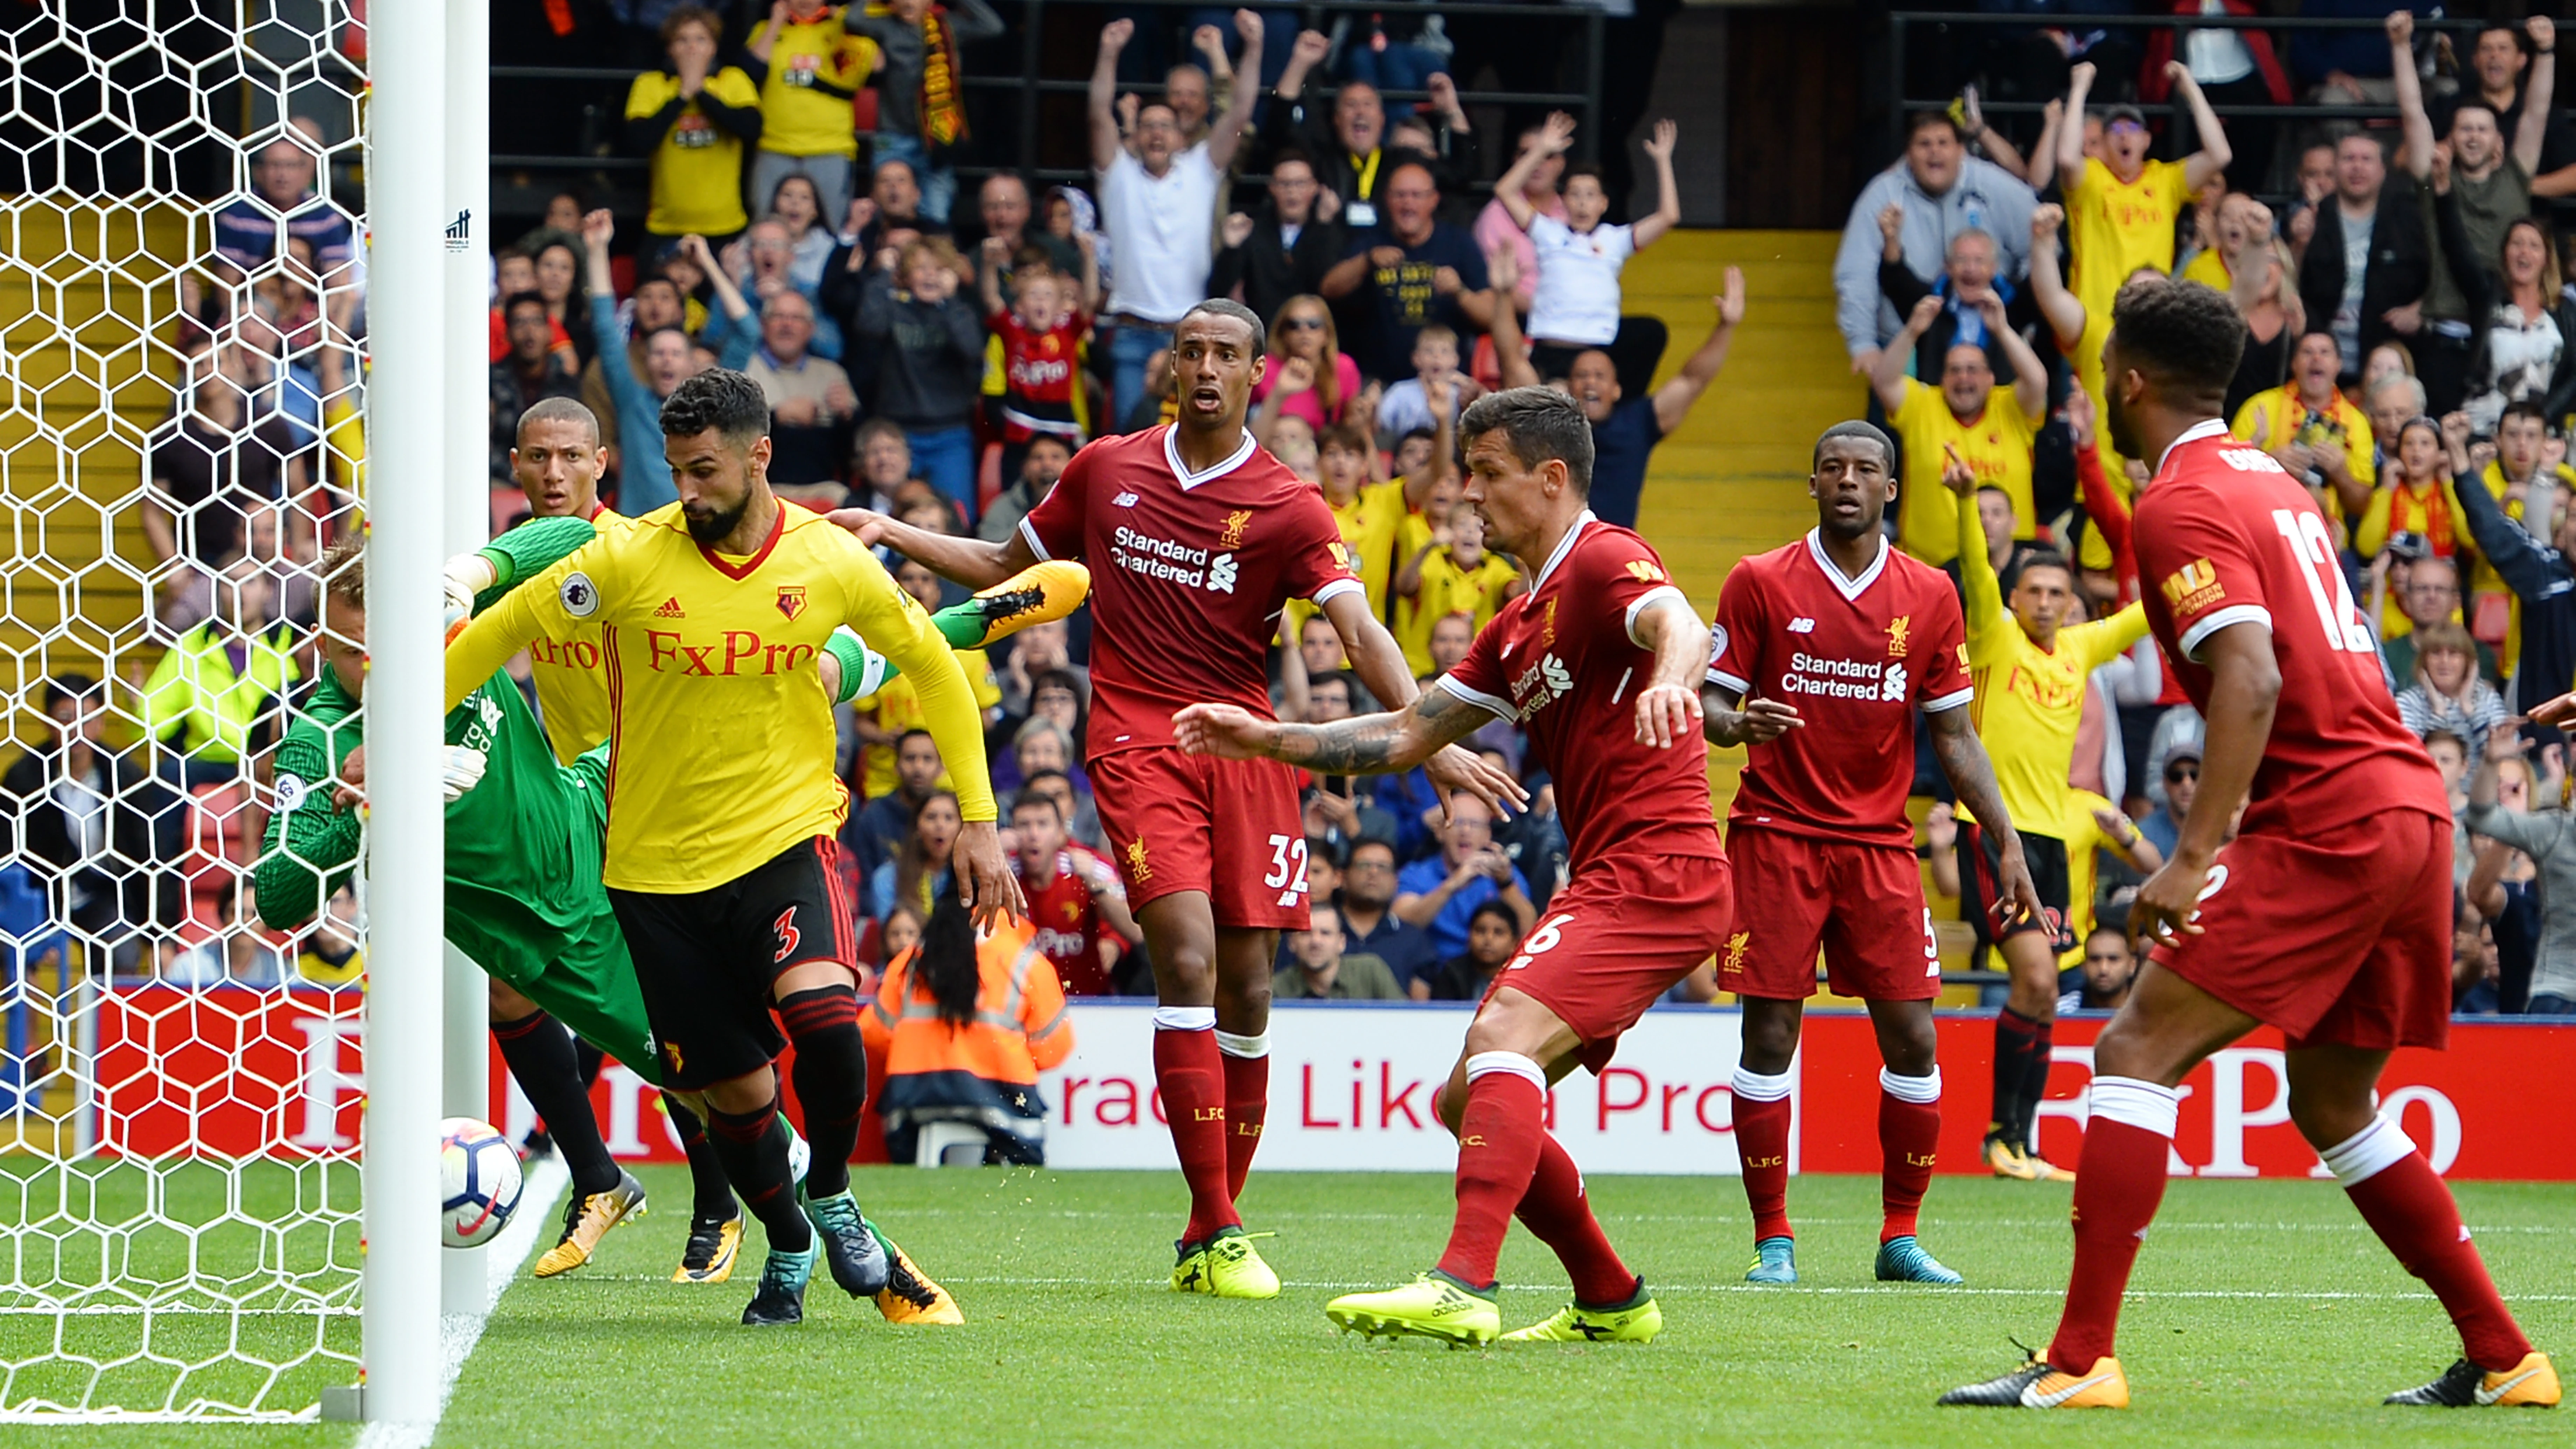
(2313, 552)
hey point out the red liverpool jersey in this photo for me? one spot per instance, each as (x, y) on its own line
(1855, 657)
(1188, 574)
(1065, 909)
(1560, 660)
(2225, 537)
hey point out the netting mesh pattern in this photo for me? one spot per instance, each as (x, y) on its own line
(182, 325)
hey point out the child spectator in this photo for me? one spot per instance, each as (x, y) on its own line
(1406, 407)
(809, 68)
(918, 873)
(930, 371)
(1369, 513)
(1492, 933)
(2447, 694)
(1040, 339)
(796, 204)
(964, 1026)
(1292, 442)
(1451, 575)
(921, 87)
(694, 120)
(1575, 305)
(886, 715)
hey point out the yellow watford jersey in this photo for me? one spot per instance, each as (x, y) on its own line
(571, 675)
(2029, 700)
(814, 68)
(1449, 589)
(897, 709)
(697, 170)
(1369, 523)
(2084, 838)
(1995, 444)
(724, 734)
(2118, 227)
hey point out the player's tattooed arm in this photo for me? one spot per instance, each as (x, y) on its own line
(1727, 718)
(1972, 779)
(1376, 744)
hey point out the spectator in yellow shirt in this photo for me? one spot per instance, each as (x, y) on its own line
(2120, 206)
(2314, 430)
(694, 120)
(893, 711)
(1990, 428)
(809, 69)
(1450, 576)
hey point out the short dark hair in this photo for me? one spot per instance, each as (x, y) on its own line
(1393, 857)
(719, 398)
(1855, 428)
(517, 300)
(1228, 307)
(1286, 154)
(692, 15)
(1341, 677)
(901, 739)
(1537, 425)
(1031, 780)
(2043, 558)
(2185, 335)
(1029, 799)
(560, 410)
(70, 684)
(1917, 123)
(1584, 168)
(2525, 408)
(1495, 908)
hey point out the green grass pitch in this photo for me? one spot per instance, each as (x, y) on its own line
(2262, 1313)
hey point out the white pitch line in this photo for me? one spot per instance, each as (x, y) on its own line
(547, 1181)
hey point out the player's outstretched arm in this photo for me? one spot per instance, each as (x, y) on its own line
(2244, 690)
(1668, 707)
(1726, 718)
(566, 593)
(1379, 662)
(969, 561)
(1378, 744)
(1972, 779)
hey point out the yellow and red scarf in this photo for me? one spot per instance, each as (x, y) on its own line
(942, 106)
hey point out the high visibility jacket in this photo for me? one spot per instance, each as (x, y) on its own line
(1019, 1028)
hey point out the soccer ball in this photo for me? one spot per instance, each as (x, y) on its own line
(478, 1174)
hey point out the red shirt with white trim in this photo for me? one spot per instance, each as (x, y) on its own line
(1855, 657)
(1562, 659)
(1188, 575)
(1065, 910)
(2225, 537)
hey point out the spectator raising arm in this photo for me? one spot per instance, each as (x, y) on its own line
(1668, 191)
(1887, 374)
(1227, 136)
(2030, 375)
(2214, 154)
(2070, 135)
(2539, 92)
(1673, 400)
(2416, 123)
(2064, 311)
(1553, 139)
(1103, 96)
(1511, 352)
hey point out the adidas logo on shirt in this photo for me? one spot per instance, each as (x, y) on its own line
(671, 609)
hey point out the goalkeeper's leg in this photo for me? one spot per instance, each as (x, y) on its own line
(541, 1055)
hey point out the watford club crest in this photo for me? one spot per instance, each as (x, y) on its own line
(791, 599)
(1235, 523)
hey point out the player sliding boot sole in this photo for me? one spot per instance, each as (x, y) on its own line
(1902, 1260)
(1775, 1260)
(910, 1296)
(1636, 1321)
(857, 1260)
(2037, 1385)
(781, 1298)
(2532, 1383)
(1038, 594)
(1433, 1305)
(587, 1219)
(1225, 1266)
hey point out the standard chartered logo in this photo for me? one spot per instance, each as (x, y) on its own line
(1893, 687)
(1813, 674)
(1220, 575)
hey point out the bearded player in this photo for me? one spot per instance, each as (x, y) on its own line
(1821, 654)
(2329, 914)
(1600, 661)
(1197, 539)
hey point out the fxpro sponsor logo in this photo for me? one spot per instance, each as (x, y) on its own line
(1814, 674)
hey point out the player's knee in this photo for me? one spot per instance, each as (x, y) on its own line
(2328, 1113)
(1909, 1050)
(745, 1094)
(506, 1004)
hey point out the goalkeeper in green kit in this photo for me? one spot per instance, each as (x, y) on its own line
(524, 896)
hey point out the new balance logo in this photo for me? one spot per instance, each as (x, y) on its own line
(1802, 626)
(671, 609)
(1124, 500)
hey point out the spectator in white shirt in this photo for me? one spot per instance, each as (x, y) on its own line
(1158, 204)
(1575, 306)
(1406, 408)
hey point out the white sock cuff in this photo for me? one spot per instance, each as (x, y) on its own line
(1487, 1063)
(1243, 1046)
(1752, 1086)
(1184, 1018)
(1911, 1089)
(2368, 1152)
(2143, 1105)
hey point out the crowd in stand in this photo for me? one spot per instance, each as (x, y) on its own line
(2410, 353)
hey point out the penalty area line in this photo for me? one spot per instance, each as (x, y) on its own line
(547, 1182)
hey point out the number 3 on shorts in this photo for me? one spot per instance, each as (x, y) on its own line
(1542, 940)
(1287, 868)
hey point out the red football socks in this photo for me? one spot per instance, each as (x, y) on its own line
(2118, 1185)
(1187, 1071)
(1499, 1137)
(1762, 1145)
(1247, 1105)
(1557, 1213)
(2407, 1204)
(1909, 1135)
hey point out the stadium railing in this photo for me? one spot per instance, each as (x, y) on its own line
(594, 153)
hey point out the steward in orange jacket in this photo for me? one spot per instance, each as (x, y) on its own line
(964, 1027)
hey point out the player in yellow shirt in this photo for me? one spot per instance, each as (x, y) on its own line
(694, 120)
(1449, 576)
(723, 809)
(809, 68)
(2313, 430)
(1990, 428)
(2031, 672)
(2120, 206)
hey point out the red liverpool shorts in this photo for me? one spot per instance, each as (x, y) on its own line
(1618, 936)
(1862, 904)
(2342, 936)
(1228, 828)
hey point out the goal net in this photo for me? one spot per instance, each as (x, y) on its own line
(183, 297)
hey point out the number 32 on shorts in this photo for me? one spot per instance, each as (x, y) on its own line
(1287, 868)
